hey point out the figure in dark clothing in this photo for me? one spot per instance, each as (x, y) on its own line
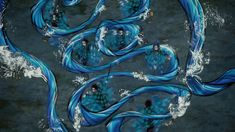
(148, 110)
(99, 97)
(96, 99)
(116, 40)
(120, 38)
(83, 51)
(156, 46)
(157, 58)
(55, 17)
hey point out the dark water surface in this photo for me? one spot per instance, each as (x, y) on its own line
(23, 102)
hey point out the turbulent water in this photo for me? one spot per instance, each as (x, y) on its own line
(12, 64)
(15, 62)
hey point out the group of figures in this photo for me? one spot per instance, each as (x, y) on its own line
(92, 103)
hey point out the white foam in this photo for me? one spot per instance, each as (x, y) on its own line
(103, 32)
(140, 76)
(213, 16)
(197, 66)
(186, 25)
(77, 119)
(47, 32)
(124, 92)
(101, 9)
(79, 80)
(139, 39)
(14, 63)
(145, 14)
(179, 109)
(60, 52)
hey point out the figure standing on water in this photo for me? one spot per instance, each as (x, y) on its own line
(153, 106)
(59, 19)
(157, 58)
(121, 39)
(97, 99)
(148, 110)
(87, 53)
(82, 51)
(116, 40)
(147, 125)
(55, 18)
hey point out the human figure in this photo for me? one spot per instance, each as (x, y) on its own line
(156, 47)
(120, 38)
(148, 110)
(157, 58)
(58, 19)
(87, 53)
(96, 99)
(146, 124)
(55, 18)
(82, 51)
(62, 21)
(150, 17)
(142, 39)
(99, 97)
(116, 40)
(153, 106)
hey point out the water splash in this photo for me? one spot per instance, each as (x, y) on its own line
(13, 64)
(79, 80)
(77, 119)
(196, 19)
(197, 67)
(200, 59)
(179, 109)
(213, 16)
(206, 58)
(186, 26)
(124, 92)
(48, 33)
(181, 75)
(102, 8)
(140, 76)
(59, 53)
